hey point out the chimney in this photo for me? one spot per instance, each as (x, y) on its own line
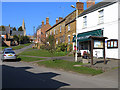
(80, 5)
(42, 23)
(56, 20)
(60, 18)
(47, 20)
(90, 3)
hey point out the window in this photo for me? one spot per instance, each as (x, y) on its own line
(69, 39)
(60, 39)
(56, 41)
(113, 43)
(54, 31)
(84, 21)
(101, 17)
(51, 32)
(68, 27)
(60, 28)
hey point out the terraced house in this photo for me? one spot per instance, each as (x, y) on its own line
(64, 29)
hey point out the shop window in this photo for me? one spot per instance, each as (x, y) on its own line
(113, 43)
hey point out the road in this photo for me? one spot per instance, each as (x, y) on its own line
(27, 75)
(22, 49)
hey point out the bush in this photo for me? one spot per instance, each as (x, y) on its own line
(61, 47)
(70, 47)
(42, 47)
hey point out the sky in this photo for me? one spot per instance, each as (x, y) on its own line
(34, 13)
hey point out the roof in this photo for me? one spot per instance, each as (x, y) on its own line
(7, 29)
(97, 6)
(60, 21)
(17, 33)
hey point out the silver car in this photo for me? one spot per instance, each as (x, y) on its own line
(7, 49)
(8, 55)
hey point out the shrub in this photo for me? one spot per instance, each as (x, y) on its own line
(61, 47)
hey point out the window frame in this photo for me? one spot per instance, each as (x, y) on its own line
(68, 27)
(101, 16)
(84, 21)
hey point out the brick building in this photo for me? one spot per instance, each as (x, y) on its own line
(41, 32)
(65, 28)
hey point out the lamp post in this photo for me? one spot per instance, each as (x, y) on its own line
(76, 31)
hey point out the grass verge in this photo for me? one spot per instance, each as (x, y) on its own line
(69, 66)
(21, 46)
(41, 53)
(29, 59)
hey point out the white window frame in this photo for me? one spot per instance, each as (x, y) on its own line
(101, 16)
(60, 29)
(68, 27)
(84, 21)
(68, 39)
(54, 31)
(56, 41)
(51, 32)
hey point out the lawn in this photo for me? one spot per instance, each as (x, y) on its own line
(69, 66)
(29, 59)
(16, 47)
(41, 53)
(21, 46)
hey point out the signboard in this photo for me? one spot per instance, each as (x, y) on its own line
(98, 44)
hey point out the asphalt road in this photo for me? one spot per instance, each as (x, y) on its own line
(27, 75)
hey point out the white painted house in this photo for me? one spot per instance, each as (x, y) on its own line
(101, 20)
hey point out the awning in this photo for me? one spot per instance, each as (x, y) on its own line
(85, 36)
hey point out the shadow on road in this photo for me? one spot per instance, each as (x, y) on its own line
(11, 60)
(18, 77)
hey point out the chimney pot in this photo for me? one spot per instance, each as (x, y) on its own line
(56, 20)
(60, 18)
(80, 5)
(90, 3)
(47, 20)
(42, 23)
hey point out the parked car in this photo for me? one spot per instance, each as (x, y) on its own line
(8, 54)
(6, 49)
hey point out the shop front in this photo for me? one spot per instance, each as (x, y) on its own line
(91, 43)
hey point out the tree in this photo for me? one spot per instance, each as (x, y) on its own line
(14, 29)
(51, 45)
(16, 38)
(2, 28)
(20, 28)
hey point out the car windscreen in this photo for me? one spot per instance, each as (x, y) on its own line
(9, 52)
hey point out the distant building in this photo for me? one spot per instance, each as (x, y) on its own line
(41, 31)
(65, 28)
(23, 27)
(8, 34)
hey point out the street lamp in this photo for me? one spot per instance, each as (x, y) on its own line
(76, 31)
